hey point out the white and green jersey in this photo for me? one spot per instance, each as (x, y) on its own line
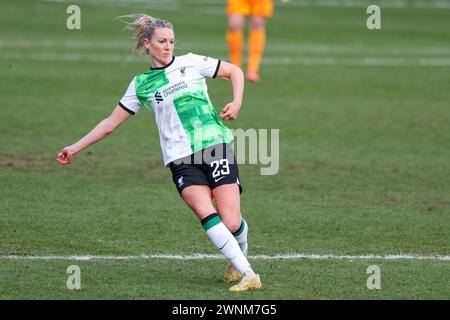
(178, 96)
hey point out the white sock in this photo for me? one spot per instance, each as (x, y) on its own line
(241, 236)
(226, 243)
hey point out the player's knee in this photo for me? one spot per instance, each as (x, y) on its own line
(202, 210)
(235, 25)
(233, 224)
(257, 23)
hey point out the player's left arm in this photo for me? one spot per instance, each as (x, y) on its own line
(232, 72)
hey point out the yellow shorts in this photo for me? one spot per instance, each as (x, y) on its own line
(261, 8)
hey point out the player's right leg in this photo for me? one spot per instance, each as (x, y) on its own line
(259, 11)
(226, 189)
(235, 38)
(236, 12)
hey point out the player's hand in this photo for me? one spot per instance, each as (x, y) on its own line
(230, 111)
(65, 156)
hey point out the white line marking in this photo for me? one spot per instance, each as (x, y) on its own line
(201, 256)
(432, 4)
(276, 61)
(365, 61)
(163, 5)
(294, 48)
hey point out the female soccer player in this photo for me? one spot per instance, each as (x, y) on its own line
(194, 141)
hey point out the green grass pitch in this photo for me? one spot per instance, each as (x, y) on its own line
(364, 154)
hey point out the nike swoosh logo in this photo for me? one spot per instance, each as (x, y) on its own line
(224, 245)
(215, 180)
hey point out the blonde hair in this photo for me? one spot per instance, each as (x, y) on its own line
(144, 26)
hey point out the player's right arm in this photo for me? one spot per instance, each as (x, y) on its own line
(101, 130)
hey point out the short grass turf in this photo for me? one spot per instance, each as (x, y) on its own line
(363, 164)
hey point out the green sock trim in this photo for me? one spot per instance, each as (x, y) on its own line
(240, 230)
(212, 222)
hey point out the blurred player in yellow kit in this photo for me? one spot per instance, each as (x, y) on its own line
(258, 11)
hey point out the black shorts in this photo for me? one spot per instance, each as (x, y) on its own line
(213, 166)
